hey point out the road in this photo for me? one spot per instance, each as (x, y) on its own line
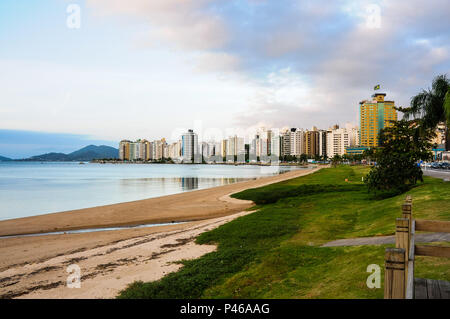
(444, 174)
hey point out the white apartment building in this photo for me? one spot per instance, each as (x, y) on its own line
(276, 145)
(338, 139)
(208, 149)
(235, 146)
(157, 150)
(296, 143)
(174, 150)
(134, 151)
(143, 149)
(189, 147)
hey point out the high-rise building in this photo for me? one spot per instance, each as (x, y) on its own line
(235, 146)
(142, 149)
(189, 146)
(157, 150)
(174, 150)
(297, 143)
(322, 143)
(311, 142)
(260, 144)
(134, 150)
(276, 145)
(375, 115)
(148, 151)
(286, 142)
(223, 148)
(339, 139)
(124, 150)
(269, 141)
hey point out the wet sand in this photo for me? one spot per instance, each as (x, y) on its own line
(35, 267)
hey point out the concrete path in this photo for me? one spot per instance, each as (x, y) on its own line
(445, 175)
(382, 240)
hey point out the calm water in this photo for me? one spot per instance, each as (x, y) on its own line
(33, 188)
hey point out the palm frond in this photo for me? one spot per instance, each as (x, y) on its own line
(447, 107)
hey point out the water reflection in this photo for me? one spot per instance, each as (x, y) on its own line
(188, 183)
(56, 187)
(175, 183)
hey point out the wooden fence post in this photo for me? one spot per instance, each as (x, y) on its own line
(402, 239)
(407, 212)
(394, 274)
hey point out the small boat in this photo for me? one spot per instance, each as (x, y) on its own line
(81, 163)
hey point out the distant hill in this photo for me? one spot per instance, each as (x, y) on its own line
(94, 152)
(87, 153)
(49, 157)
(4, 159)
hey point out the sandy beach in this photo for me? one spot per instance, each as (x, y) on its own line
(35, 266)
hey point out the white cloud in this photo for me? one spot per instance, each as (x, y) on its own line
(183, 24)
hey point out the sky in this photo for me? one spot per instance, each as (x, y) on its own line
(76, 72)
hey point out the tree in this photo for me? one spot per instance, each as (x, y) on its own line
(369, 155)
(397, 169)
(357, 157)
(303, 158)
(431, 107)
(335, 160)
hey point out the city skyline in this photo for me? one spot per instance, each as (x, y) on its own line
(142, 72)
(266, 144)
(374, 115)
(271, 144)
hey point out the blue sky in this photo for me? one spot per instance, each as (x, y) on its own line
(23, 144)
(150, 69)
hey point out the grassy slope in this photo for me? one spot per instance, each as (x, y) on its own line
(275, 253)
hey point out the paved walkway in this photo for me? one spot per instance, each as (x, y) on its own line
(383, 240)
(445, 175)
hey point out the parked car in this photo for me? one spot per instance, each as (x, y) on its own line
(445, 165)
(435, 165)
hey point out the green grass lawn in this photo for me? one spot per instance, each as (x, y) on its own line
(275, 252)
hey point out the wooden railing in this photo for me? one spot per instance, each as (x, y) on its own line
(399, 261)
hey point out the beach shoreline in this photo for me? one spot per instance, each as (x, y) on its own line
(35, 266)
(181, 207)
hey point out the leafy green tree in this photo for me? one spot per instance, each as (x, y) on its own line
(397, 169)
(303, 158)
(431, 107)
(357, 157)
(336, 160)
(369, 154)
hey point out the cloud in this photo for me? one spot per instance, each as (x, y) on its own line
(187, 24)
(217, 62)
(333, 53)
(342, 70)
